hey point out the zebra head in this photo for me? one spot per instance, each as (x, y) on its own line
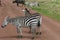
(5, 22)
(26, 11)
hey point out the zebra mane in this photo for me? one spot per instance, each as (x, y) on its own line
(27, 10)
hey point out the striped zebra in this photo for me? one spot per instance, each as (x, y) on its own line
(19, 22)
(37, 15)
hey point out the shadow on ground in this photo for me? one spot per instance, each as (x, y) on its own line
(29, 37)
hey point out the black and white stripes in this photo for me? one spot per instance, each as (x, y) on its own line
(31, 20)
(36, 15)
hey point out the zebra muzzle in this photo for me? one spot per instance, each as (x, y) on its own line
(3, 26)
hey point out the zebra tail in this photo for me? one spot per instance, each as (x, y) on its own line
(40, 22)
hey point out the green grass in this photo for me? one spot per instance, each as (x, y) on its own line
(49, 8)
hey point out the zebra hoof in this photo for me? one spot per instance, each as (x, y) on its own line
(32, 38)
(37, 33)
(19, 36)
(29, 32)
(40, 33)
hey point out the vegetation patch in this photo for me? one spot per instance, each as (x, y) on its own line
(49, 8)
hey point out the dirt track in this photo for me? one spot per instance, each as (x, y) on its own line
(50, 28)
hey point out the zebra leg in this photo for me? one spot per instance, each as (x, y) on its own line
(39, 31)
(17, 4)
(39, 28)
(19, 31)
(40, 25)
(30, 29)
(33, 30)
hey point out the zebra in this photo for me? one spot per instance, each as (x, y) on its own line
(27, 13)
(19, 22)
(19, 1)
(31, 4)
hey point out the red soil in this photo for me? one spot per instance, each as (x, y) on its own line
(50, 28)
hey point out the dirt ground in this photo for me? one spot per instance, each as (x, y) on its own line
(50, 28)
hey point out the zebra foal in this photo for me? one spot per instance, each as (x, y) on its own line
(19, 22)
(0, 2)
(37, 15)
